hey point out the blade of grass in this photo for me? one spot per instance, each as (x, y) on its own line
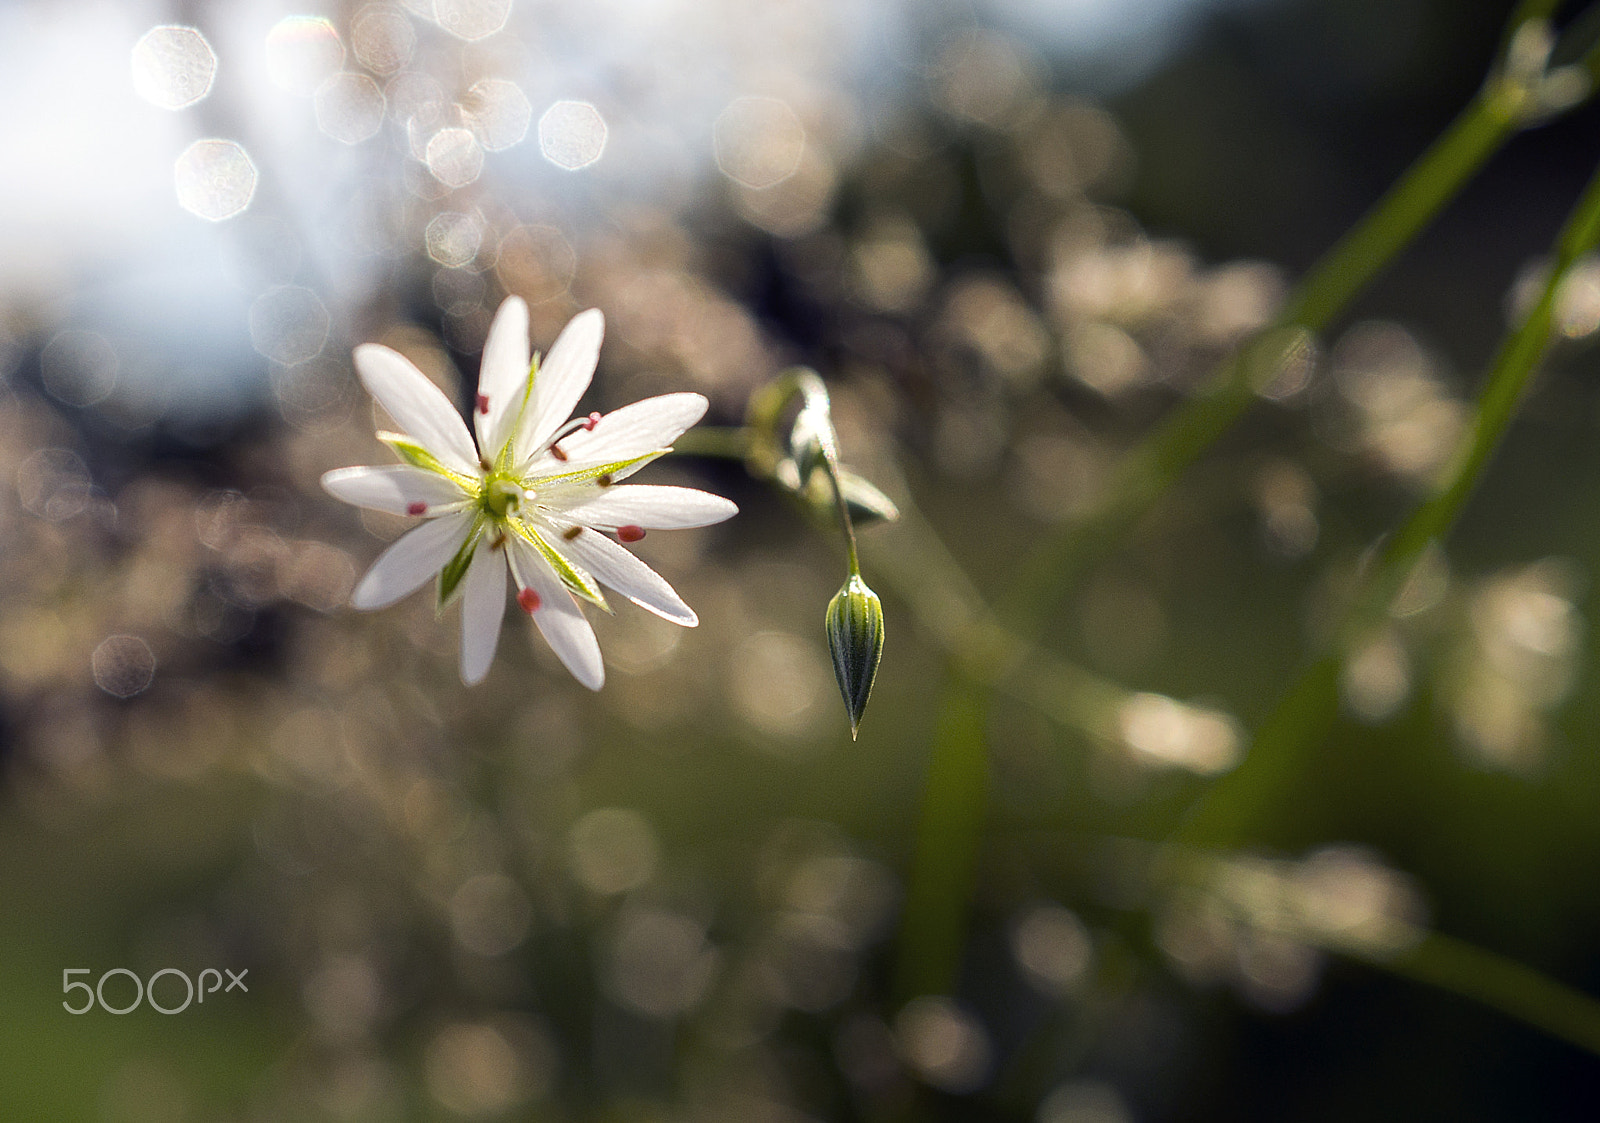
(1498, 111)
(945, 864)
(1232, 808)
(1502, 984)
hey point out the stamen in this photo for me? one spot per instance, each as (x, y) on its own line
(528, 601)
(630, 533)
(483, 403)
(416, 508)
(605, 480)
(569, 535)
(571, 427)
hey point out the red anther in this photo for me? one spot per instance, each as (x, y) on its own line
(590, 422)
(555, 451)
(416, 508)
(630, 533)
(483, 403)
(528, 600)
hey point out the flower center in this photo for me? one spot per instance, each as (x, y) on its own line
(501, 496)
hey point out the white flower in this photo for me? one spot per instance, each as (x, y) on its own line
(538, 490)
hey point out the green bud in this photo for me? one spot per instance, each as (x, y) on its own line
(855, 640)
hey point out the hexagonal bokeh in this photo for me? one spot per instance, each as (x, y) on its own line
(79, 368)
(453, 238)
(382, 39)
(349, 107)
(471, 19)
(302, 53)
(215, 179)
(759, 141)
(498, 112)
(572, 134)
(536, 262)
(288, 324)
(454, 157)
(173, 67)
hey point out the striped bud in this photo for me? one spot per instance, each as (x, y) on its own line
(855, 640)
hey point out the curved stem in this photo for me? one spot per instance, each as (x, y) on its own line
(914, 562)
(1501, 984)
(852, 556)
(944, 865)
(1148, 470)
(1230, 810)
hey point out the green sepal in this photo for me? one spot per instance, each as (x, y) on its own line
(580, 583)
(867, 504)
(456, 568)
(418, 457)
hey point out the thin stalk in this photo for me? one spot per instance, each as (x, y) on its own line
(1232, 807)
(912, 559)
(1501, 984)
(944, 867)
(1149, 469)
(1514, 366)
(831, 464)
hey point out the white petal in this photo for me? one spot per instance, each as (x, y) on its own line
(483, 607)
(411, 560)
(616, 567)
(418, 406)
(634, 430)
(393, 488)
(558, 616)
(648, 505)
(563, 377)
(503, 377)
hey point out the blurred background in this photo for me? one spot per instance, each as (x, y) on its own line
(1010, 234)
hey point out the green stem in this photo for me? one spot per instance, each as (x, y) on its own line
(1397, 946)
(759, 438)
(1226, 815)
(913, 561)
(831, 465)
(951, 613)
(945, 864)
(1513, 368)
(1502, 984)
(730, 442)
(1422, 192)
(1233, 806)
(1147, 471)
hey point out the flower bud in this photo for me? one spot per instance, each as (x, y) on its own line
(855, 640)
